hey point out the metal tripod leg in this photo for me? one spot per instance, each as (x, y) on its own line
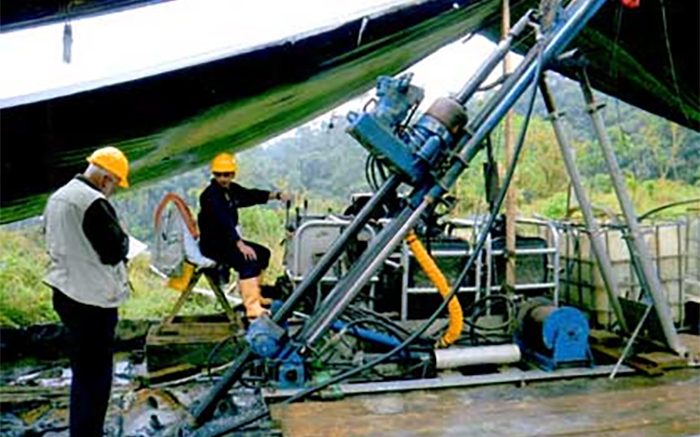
(630, 342)
(606, 270)
(638, 246)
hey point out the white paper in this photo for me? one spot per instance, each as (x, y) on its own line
(136, 247)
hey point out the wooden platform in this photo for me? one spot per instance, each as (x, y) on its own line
(188, 344)
(667, 405)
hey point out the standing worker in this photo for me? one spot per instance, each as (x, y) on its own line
(219, 237)
(87, 249)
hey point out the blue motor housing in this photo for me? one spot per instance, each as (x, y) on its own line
(264, 337)
(269, 340)
(291, 372)
(553, 336)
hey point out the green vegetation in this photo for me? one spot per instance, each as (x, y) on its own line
(23, 298)
(322, 164)
(543, 183)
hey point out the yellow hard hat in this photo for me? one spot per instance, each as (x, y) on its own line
(224, 163)
(112, 160)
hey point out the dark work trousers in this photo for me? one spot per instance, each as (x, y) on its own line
(248, 269)
(91, 350)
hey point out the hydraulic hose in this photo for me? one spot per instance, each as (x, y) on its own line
(431, 269)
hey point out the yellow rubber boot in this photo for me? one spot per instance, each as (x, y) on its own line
(252, 300)
(181, 282)
(264, 301)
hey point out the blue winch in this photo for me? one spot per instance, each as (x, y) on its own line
(551, 335)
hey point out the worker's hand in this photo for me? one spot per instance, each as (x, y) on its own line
(285, 197)
(247, 251)
(280, 195)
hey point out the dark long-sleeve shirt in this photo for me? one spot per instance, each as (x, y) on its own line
(103, 230)
(218, 216)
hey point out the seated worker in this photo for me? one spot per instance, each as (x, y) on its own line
(219, 237)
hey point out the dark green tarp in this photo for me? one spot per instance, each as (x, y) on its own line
(176, 121)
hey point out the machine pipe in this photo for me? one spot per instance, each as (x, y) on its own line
(431, 269)
(366, 334)
(578, 14)
(492, 61)
(470, 356)
(361, 272)
(203, 410)
(592, 227)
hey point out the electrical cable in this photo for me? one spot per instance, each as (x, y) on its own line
(472, 316)
(373, 172)
(494, 84)
(215, 350)
(671, 64)
(510, 311)
(405, 125)
(382, 171)
(389, 328)
(615, 44)
(367, 175)
(480, 244)
(667, 206)
(394, 326)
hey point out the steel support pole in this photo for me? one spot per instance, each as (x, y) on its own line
(597, 244)
(501, 50)
(360, 273)
(577, 15)
(338, 246)
(637, 245)
(512, 194)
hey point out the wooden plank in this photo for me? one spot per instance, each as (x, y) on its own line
(663, 360)
(191, 333)
(194, 344)
(615, 353)
(171, 373)
(12, 395)
(599, 336)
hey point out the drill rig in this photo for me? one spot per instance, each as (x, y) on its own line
(427, 155)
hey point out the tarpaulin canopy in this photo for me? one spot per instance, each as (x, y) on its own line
(173, 119)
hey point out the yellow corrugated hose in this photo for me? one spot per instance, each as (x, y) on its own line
(454, 329)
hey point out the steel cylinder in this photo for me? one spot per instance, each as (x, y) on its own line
(448, 112)
(470, 356)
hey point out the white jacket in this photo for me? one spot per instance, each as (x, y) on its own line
(76, 269)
